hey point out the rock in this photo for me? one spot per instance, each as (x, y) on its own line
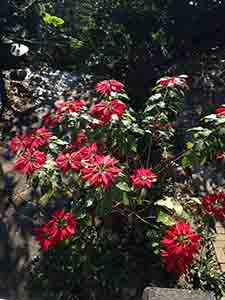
(175, 294)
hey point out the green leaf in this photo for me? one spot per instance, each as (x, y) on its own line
(58, 141)
(189, 145)
(196, 129)
(125, 96)
(52, 20)
(138, 130)
(75, 43)
(195, 200)
(133, 147)
(127, 122)
(123, 186)
(203, 160)
(171, 204)
(211, 117)
(156, 251)
(81, 214)
(165, 219)
(50, 164)
(126, 201)
(186, 162)
(89, 202)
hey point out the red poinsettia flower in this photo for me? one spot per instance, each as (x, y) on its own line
(40, 137)
(61, 226)
(180, 244)
(69, 106)
(106, 87)
(220, 111)
(20, 142)
(68, 161)
(143, 178)
(220, 156)
(44, 238)
(101, 170)
(30, 161)
(105, 112)
(214, 204)
(75, 160)
(174, 80)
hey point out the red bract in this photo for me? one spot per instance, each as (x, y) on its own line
(105, 87)
(220, 111)
(105, 112)
(61, 226)
(44, 238)
(69, 106)
(20, 142)
(30, 161)
(75, 160)
(40, 137)
(180, 244)
(174, 80)
(68, 161)
(87, 153)
(220, 156)
(50, 119)
(101, 171)
(143, 178)
(80, 139)
(214, 204)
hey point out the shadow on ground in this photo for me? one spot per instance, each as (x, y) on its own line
(17, 225)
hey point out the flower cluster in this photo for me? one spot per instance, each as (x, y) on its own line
(180, 244)
(95, 167)
(101, 170)
(61, 226)
(214, 205)
(32, 148)
(143, 178)
(61, 110)
(30, 158)
(24, 141)
(106, 111)
(173, 81)
(30, 161)
(107, 87)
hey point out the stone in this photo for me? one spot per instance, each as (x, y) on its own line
(175, 294)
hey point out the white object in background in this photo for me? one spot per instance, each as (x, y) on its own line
(18, 50)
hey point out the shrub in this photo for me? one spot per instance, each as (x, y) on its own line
(117, 172)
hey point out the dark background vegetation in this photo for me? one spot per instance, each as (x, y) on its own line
(131, 40)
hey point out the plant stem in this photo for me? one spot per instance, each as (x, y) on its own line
(149, 152)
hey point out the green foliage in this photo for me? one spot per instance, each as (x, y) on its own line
(205, 273)
(75, 43)
(52, 20)
(207, 141)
